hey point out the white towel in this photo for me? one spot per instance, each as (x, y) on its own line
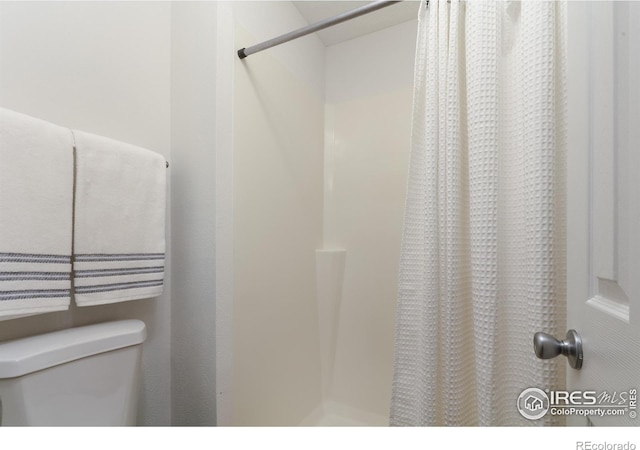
(119, 234)
(36, 197)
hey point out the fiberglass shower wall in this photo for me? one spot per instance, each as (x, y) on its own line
(320, 160)
(278, 148)
(369, 87)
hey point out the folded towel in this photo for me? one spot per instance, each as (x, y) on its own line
(36, 197)
(119, 230)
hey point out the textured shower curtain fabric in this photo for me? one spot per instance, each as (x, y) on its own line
(483, 257)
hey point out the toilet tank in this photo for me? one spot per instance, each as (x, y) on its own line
(80, 376)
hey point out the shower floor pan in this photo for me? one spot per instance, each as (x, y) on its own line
(334, 414)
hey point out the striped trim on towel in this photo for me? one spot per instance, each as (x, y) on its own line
(34, 258)
(117, 286)
(38, 277)
(101, 278)
(28, 294)
(114, 272)
(118, 257)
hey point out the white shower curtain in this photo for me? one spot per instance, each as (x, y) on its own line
(483, 258)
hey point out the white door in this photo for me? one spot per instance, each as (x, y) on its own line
(603, 206)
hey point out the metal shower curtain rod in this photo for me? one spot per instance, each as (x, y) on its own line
(362, 10)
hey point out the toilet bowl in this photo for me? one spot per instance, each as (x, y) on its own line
(80, 376)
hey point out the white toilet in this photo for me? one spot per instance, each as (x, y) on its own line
(80, 376)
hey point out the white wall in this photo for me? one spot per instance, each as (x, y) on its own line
(367, 128)
(193, 169)
(278, 134)
(102, 67)
(141, 72)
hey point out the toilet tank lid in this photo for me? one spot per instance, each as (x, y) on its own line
(22, 356)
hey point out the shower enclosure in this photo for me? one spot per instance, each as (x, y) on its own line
(321, 144)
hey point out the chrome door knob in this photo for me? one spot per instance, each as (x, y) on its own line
(547, 347)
